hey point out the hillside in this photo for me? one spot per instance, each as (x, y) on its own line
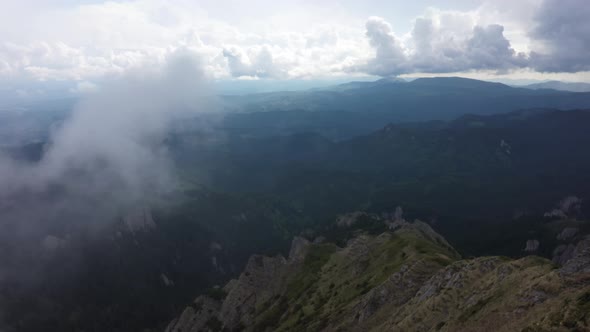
(562, 86)
(362, 107)
(525, 160)
(405, 279)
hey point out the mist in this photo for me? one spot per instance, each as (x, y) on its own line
(106, 160)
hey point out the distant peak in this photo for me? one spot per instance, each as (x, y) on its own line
(391, 80)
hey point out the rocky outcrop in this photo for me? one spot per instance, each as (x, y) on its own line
(269, 285)
(260, 282)
(567, 233)
(580, 262)
(563, 253)
(349, 219)
(201, 315)
(299, 247)
(568, 207)
(531, 246)
(410, 279)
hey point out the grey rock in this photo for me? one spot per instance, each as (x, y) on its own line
(532, 245)
(567, 233)
(580, 262)
(298, 250)
(194, 318)
(563, 253)
(349, 219)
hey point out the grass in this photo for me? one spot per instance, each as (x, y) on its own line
(331, 281)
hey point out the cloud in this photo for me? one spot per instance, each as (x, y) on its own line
(489, 49)
(260, 64)
(91, 40)
(108, 156)
(389, 54)
(434, 46)
(562, 36)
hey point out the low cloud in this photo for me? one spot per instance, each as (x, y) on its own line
(108, 157)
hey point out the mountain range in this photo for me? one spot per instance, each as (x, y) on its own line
(407, 278)
(562, 86)
(499, 172)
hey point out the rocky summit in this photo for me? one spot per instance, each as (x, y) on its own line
(406, 279)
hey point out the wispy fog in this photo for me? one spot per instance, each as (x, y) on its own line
(105, 160)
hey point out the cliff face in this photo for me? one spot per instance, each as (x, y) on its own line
(406, 279)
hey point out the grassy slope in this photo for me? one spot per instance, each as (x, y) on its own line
(410, 281)
(333, 281)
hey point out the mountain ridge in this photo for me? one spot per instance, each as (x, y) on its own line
(406, 279)
(561, 86)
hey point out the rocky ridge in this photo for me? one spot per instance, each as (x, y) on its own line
(406, 279)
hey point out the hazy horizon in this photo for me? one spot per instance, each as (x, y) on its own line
(72, 47)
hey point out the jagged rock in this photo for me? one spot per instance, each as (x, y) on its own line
(569, 206)
(260, 281)
(298, 250)
(567, 233)
(399, 288)
(563, 253)
(555, 213)
(167, 282)
(408, 280)
(196, 316)
(348, 219)
(398, 215)
(319, 239)
(532, 245)
(580, 262)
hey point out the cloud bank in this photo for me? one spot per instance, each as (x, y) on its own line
(438, 49)
(301, 40)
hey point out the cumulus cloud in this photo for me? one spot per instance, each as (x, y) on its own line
(389, 54)
(435, 48)
(562, 36)
(259, 64)
(489, 49)
(89, 41)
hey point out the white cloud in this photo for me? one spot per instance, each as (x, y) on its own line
(266, 39)
(259, 64)
(390, 58)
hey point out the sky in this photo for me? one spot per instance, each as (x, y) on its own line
(79, 44)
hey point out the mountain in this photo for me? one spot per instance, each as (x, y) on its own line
(361, 107)
(475, 176)
(491, 184)
(136, 272)
(407, 278)
(441, 165)
(363, 84)
(562, 86)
